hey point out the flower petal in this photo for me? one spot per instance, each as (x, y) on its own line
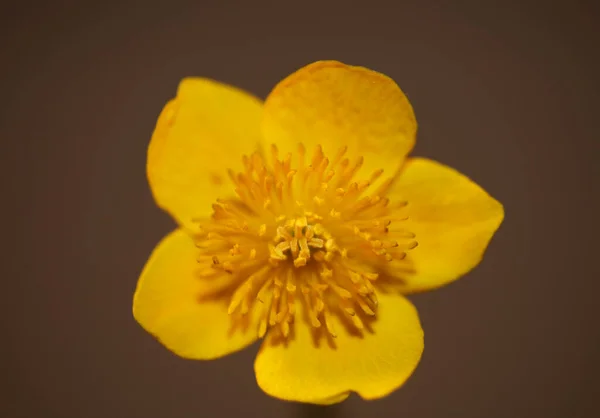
(167, 304)
(334, 104)
(373, 365)
(453, 218)
(199, 135)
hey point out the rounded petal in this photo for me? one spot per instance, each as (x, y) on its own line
(199, 135)
(334, 104)
(373, 365)
(453, 219)
(167, 303)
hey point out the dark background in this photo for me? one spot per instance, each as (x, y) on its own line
(505, 92)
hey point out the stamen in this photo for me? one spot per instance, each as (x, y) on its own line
(303, 236)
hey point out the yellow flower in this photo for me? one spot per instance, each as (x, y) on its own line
(299, 220)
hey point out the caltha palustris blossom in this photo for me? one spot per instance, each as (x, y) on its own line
(303, 221)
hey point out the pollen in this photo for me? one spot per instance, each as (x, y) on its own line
(303, 243)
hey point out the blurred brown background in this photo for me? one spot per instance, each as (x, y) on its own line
(506, 92)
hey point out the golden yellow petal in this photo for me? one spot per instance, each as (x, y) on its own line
(199, 135)
(373, 365)
(167, 304)
(334, 105)
(453, 218)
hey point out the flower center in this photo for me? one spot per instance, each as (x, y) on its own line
(304, 237)
(297, 237)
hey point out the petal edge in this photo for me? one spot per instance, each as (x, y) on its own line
(333, 104)
(453, 218)
(166, 304)
(373, 366)
(199, 135)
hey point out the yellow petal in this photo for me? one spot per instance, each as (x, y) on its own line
(167, 304)
(453, 218)
(373, 366)
(199, 135)
(334, 104)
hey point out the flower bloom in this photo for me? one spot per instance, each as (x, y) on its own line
(303, 222)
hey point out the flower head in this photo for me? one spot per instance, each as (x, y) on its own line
(303, 222)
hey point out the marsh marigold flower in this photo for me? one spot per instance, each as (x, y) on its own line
(303, 222)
